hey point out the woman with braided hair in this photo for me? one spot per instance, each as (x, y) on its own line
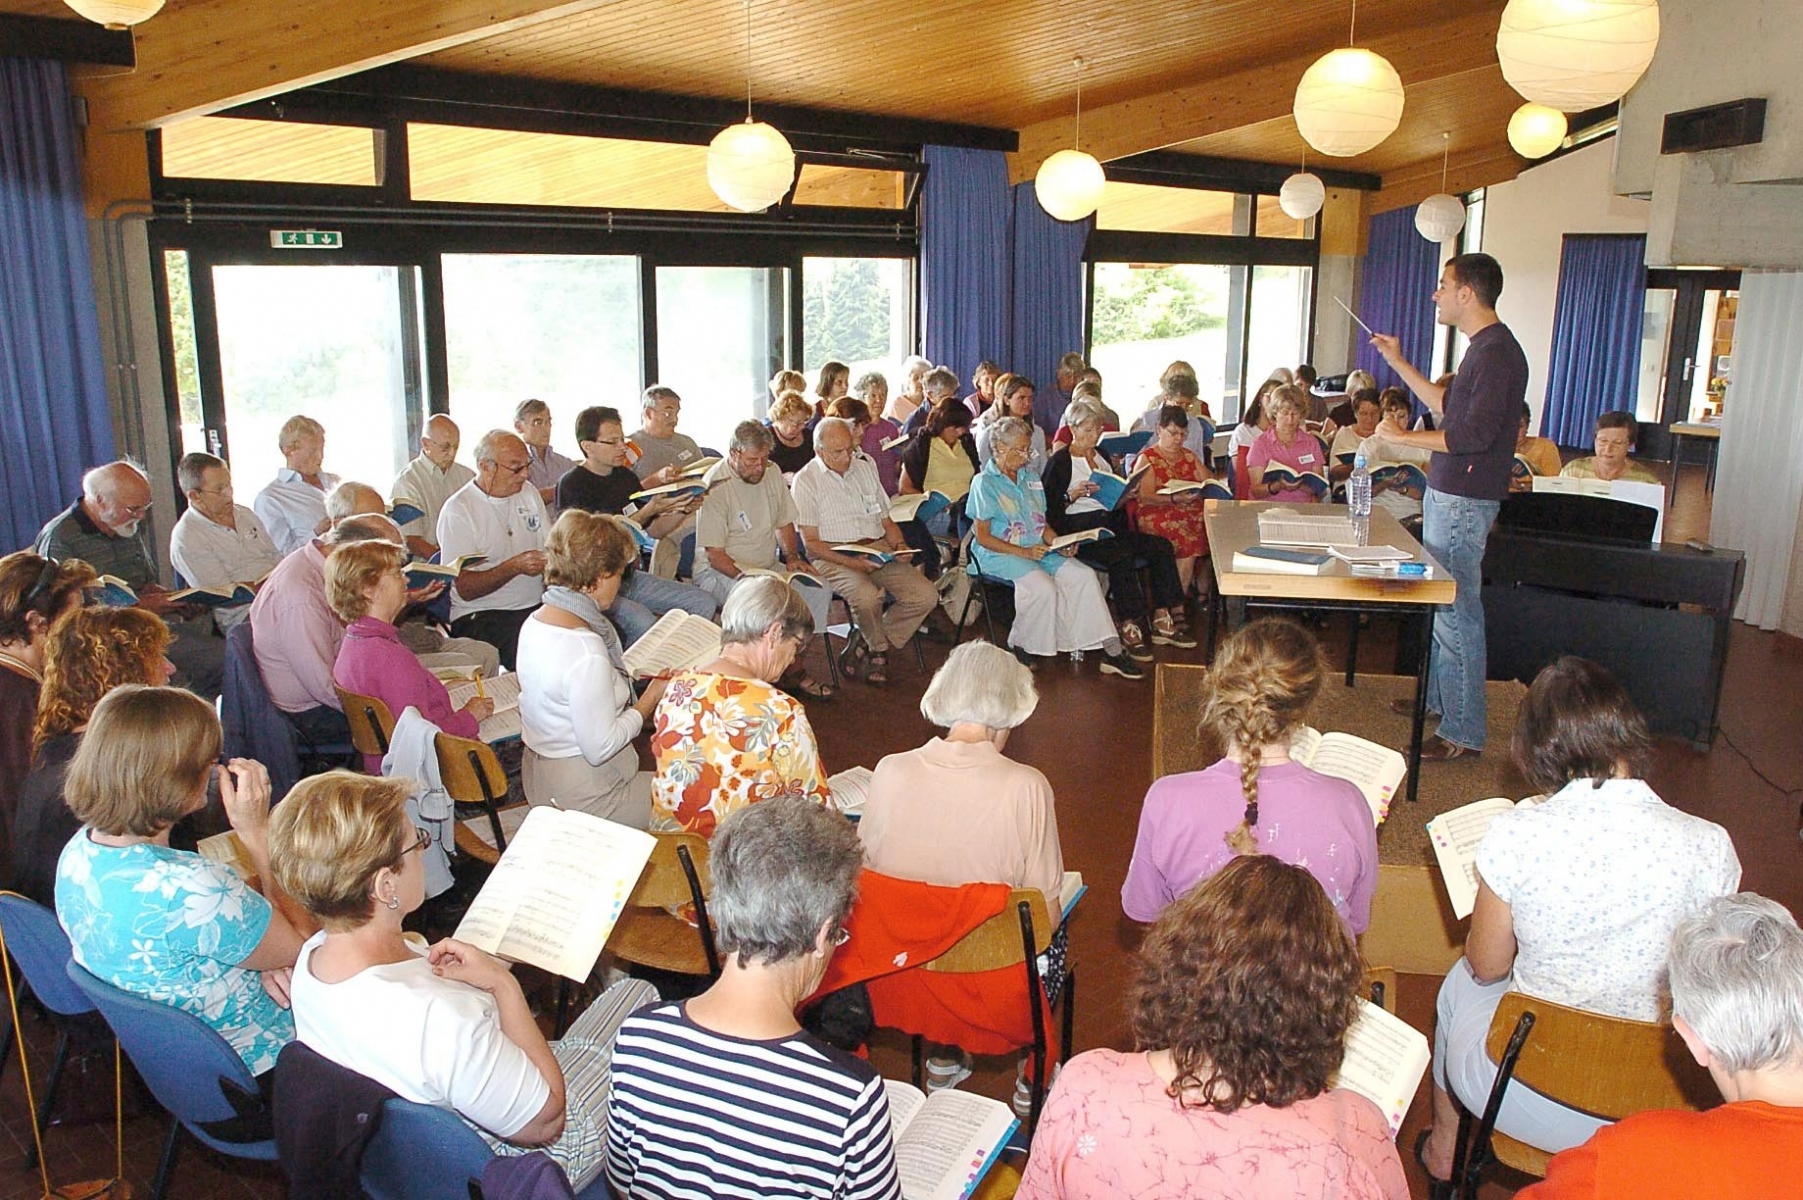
(1254, 800)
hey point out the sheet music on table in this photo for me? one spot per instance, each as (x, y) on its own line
(1286, 527)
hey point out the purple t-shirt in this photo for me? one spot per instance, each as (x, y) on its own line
(1312, 820)
(1482, 409)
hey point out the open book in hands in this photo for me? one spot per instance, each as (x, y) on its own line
(1384, 1062)
(679, 640)
(1207, 489)
(919, 506)
(850, 790)
(1290, 479)
(945, 1143)
(1112, 490)
(1375, 770)
(874, 554)
(504, 724)
(424, 574)
(1077, 539)
(553, 898)
(1455, 837)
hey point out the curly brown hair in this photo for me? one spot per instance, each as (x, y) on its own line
(1250, 981)
(1258, 690)
(91, 651)
(48, 585)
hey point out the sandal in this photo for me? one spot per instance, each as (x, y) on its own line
(876, 668)
(945, 1073)
(853, 655)
(812, 688)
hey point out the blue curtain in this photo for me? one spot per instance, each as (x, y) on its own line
(1595, 363)
(1048, 287)
(1399, 273)
(54, 420)
(966, 207)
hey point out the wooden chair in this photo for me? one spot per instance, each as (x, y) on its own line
(1609, 1067)
(647, 934)
(472, 775)
(1016, 936)
(372, 725)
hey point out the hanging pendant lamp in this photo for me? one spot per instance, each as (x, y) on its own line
(1440, 217)
(1574, 55)
(751, 165)
(1536, 130)
(1349, 100)
(1302, 194)
(1069, 184)
(116, 14)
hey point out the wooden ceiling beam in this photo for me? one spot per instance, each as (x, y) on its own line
(202, 56)
(1478, 167)
(1262, 92)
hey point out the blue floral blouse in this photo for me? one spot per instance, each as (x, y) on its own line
(1015, 510)
(173, 926)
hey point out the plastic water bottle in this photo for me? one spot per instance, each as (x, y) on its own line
(1358, 488)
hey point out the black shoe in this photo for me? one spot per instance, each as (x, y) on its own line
(1026, 660)
(1437, 1189)
(1120, 664)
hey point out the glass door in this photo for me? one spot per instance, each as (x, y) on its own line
(722, 332)
(1686, 352)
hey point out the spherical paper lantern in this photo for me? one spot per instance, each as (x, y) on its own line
(1302, 195)
(1576, 54)
(1069, 185)
(750, 166)
(1535, 130)
(1440, 217)
(1348, 102)
(116, 14)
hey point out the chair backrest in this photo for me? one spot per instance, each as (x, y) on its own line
(997, 942)
(254, 727)
(422, 1152)
(1609, 1067)
(664, 884)
(1380, 987)
(372, 724)
(181, 1058)
(463, 775)
(38, 944)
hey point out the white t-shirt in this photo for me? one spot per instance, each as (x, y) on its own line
(1244, 435)
(429, 1040)
(1595, 879)
(572, 700)
(474, 522)
(1080, 473)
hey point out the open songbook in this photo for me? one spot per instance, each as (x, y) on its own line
(1112, 490)
(698, 468)
(850, 788)
(1521, 469)
(239, 593)
(1070, 890)
(1385, 1060)
(945, 1143)
(1375, 770)
(424, 574)
(900, 439)
(881, 557)
(553, 898)
(679, 640)
(681, 489)
(1291, 479)
(405, 511)
(1406, 478)
(1124, 443)
(1078, 538)
(1455, 837)
(921, 506)
(504, 690)
(1210, 489)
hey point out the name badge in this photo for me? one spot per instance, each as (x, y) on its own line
(745, 521)
(1305, 459)
(873, 506)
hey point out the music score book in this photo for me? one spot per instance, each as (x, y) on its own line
(504, 724)
(1078, 538)
(1375, 770)
(679, 640)
(850, 789)
(1455, 837)
(945, 1143)
(918, 506)
(553, 898)
(1384, 1061)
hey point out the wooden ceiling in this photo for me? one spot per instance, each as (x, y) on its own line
(1200, 76)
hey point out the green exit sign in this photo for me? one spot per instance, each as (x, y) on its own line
(306, 239)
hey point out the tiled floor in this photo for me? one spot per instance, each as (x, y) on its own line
(1092, 736)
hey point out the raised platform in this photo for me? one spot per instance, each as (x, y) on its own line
(1412, 928)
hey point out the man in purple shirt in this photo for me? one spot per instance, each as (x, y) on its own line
(1468, 477)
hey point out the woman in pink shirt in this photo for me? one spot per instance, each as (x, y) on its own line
(1224, 1097)
(365, 587)
(1286, 444)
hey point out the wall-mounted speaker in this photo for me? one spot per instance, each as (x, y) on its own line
(1717, 127)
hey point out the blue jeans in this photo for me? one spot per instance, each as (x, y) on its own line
(645, 597)
(1454, 530)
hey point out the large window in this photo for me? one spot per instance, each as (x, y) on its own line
(187, 351)
(1280, 315)
(560, 328)
(1144, 315)
(858, 311)
(722, 332)
(327, 341)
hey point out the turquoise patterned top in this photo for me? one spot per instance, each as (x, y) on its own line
(173, 926)
(1015, 510)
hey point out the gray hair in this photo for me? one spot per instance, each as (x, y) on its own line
(940, 381)
(1737, 978)
(490, 442)
(1011, 431)
(1083, 411)
(530, 408)
(102, 483)
(191, 471)
(348, 497)
(296, 428)
(981, 684)
(783, 868)
(751, 436)
(370, 527)
(757, 604)
(825, 423)
(870, 381)
(656, 392)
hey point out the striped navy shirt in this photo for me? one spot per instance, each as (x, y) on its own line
(699, 1114)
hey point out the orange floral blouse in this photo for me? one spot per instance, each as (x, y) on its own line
(722, 742)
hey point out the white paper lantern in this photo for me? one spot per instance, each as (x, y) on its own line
(1576, 54)
(1440, 217)
(1535, 130)
(1348, 102)
(1069, 185)
(1302, 195)
(116, 14)
(750, 165)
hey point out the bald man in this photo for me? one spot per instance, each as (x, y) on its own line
(104, 528)
(428, 481)
(499, 515)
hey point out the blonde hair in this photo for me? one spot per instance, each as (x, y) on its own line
(1259, 688)
(144, 760)
(352, 569)
(789, 405)
(1286, 395)
(296, 430)
(788, 380)
(331, 835)
(586, 546)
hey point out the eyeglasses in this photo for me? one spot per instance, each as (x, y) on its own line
(619, 441)
(422, 838)
(511, 470)
(46, 577)
(137, 510)
(843, 936)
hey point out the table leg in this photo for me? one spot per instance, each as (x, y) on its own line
(1352, 647)
(1677, 462)
(1715, 454)
(1215, 601)
(1420, 717)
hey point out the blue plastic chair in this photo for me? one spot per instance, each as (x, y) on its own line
(38, 944)
(423, 1152)
(187, 1066)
